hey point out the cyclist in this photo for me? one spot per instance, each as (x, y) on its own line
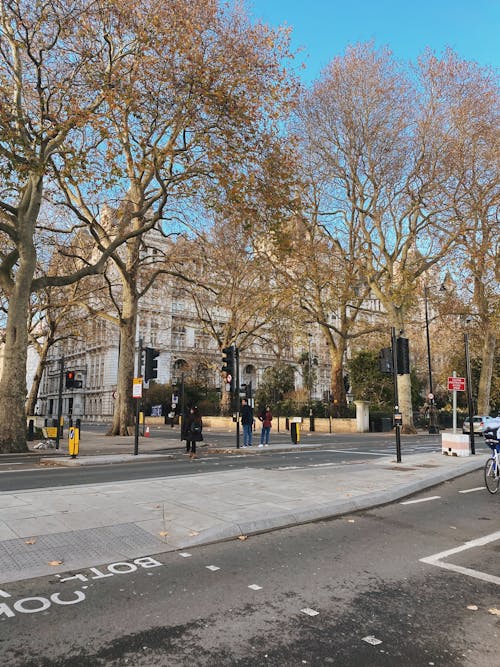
(493, 429)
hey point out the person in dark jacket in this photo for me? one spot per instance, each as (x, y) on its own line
(194, 431)
(246, 422)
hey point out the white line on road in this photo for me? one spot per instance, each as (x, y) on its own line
(436, 559)
(478, 488)
(310, 612)
(357, 452)
(419, 500)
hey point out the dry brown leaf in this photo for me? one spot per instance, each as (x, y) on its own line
(56, 562)
(163, 533)
(494, 611)
(193, 533)
(32, 540)
(472, 607)
(243, 537)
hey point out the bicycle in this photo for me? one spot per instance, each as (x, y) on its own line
(492, 465)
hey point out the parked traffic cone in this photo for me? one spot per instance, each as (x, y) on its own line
(146, 434)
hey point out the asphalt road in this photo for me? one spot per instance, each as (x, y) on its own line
(349, 592)
(334, 452)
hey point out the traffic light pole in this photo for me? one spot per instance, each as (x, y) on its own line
(137, 401)
(397, 415)
(238, 401)
(59, 401)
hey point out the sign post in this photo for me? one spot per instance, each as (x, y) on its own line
(455, 384)
(137, 394)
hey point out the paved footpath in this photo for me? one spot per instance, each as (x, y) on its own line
(53, 530)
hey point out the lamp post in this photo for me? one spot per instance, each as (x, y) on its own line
(310, 378)
(469, 390)
(433, 426)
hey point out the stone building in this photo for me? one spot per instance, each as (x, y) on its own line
(168, 322)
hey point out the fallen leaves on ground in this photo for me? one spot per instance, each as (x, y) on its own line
(30, 541)
(243, 537)
(193, 533)
(494, 611)
(472, 607)
(163, 533)
(56, 562)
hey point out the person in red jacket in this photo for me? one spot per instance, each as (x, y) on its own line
(266, 418)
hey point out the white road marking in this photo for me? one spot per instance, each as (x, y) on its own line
(254, 587)
(478, 488)
(213, 568)
(4, 594)
(419, 500)
(309, 611)
(358, 451)
(370, 639)
(321, 465)
(437, 559)
(184, 554)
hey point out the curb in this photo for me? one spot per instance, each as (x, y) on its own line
(324, 511)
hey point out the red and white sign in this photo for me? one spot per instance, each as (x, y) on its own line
(137, 388)
(456, 384)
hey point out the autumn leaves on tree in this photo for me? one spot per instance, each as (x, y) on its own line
(126, 120)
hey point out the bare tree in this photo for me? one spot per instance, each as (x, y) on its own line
(121, 102)
(383, 143)
(472, 102)
(57, 68)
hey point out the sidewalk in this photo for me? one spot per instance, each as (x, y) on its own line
(93, 524)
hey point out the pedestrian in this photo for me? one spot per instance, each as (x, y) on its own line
(247, 422)
(194, 432)
(266, 418)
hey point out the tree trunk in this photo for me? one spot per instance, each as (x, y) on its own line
(123, 416)
(487, 363)
(35, 386)
(337, 387)
(404, 381)
(13, 380)
(225, 401)
(405, 406)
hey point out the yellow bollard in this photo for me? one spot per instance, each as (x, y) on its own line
(73, 441)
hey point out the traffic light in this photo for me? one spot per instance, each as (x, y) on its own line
(70, 379)
(246, 390)
(385, 360)
(229, 366)
(151, 364)
(403, 351)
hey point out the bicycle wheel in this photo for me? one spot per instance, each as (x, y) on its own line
(491, 478)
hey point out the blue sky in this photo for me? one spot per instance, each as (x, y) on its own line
(325, 27)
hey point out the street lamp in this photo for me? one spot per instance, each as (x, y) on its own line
(433, 425)
(469, 389)
(310, 378)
